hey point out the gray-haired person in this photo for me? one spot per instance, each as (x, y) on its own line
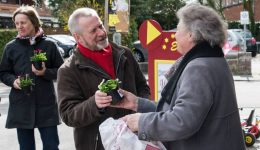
(95, 59)
(198, 107)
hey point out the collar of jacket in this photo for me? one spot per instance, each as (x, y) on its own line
(26, 41)
(117, 53)
(203, 49)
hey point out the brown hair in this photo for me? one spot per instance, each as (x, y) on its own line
(31, 13)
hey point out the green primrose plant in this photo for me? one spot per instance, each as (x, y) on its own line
(108, 85)
(26, 81)
(38, 55)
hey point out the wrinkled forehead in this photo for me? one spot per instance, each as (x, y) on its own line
(90, 22)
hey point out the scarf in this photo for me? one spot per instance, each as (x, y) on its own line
(103, 58)
(173, 68)
(31, 39)
(200, 50)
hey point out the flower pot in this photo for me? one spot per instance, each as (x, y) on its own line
(116, 96)
(27, 90)
(37, 65)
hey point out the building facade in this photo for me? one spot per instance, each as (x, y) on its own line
(232, 9)
(7, 7)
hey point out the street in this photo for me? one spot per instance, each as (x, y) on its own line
(247, 90)
(8, 139)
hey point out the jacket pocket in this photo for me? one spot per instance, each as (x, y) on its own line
(18, 97)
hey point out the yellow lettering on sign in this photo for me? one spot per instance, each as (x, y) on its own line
(174, 46)
(172, 36)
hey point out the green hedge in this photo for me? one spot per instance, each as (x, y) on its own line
(6, 35)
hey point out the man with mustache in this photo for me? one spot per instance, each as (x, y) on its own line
(94, 59)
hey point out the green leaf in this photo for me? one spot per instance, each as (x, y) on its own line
(38, 56)
(26, 81)
(107, 86)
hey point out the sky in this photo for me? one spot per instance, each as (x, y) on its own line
(46, 2)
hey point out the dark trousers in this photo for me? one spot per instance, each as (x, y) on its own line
(49, 136)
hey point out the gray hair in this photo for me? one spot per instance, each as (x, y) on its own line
(74, 17)
(204, 23)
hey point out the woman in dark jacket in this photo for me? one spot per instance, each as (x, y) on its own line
(38, 109)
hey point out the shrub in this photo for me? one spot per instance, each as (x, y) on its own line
(6, 35)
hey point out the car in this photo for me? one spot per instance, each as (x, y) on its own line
(140, 53)
(66, 42)
(250, 40)
(61, 50)
(258, 46)
(234, 45)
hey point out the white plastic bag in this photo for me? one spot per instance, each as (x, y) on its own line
(115, 135)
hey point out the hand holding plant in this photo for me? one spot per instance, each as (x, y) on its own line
(38, 57)
(111, 88)
(26, 84)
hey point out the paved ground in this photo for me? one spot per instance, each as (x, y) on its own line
(8, 140)
(247, 94)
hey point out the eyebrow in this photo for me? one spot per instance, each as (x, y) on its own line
(95, 28)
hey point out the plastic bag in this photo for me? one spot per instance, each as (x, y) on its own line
(115, 135)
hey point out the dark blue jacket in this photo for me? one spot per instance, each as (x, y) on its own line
(39, 109)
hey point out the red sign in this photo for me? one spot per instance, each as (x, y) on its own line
(162, 53)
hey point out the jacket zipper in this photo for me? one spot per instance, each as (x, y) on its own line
(96, 143)
(117, 65)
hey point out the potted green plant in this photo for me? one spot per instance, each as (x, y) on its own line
(111, 88)
(26, 84)
(38, 57)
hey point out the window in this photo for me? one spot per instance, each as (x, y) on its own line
(235, 2)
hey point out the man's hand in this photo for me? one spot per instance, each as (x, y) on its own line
(102, 99)
(16, 83)
(39, 72)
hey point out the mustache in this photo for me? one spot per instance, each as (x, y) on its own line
(103, 38)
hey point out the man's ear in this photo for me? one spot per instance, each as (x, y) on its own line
(77, 37)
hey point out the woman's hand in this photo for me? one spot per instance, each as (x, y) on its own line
(39, 72)
(102, 99)
(16, 83)
(130, 101)
(132, 121)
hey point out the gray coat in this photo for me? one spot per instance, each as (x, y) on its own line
(203, 113)
(40, 108)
